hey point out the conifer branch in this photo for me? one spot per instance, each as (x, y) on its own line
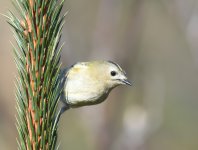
(37, 57)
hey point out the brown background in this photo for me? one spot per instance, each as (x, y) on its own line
(156, 42)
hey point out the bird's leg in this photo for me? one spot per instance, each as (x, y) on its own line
(63, 98)
(61, 111)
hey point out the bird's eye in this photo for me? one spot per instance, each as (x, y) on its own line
(113, 73)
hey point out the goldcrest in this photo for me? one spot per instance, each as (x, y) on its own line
(89, 83)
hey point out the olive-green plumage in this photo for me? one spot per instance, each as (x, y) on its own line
(89, 83)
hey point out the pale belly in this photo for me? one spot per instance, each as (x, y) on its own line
(78, 93)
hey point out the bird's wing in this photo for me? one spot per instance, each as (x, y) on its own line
(63, 78)
(63, 75)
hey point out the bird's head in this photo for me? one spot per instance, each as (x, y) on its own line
(115, 75)
(108, 73)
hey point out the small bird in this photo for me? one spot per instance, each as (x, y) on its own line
(89, 83)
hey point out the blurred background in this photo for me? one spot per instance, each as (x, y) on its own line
(156, 42)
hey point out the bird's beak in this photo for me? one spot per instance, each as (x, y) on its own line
(127, 82)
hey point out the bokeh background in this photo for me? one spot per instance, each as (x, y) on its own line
(156, 42)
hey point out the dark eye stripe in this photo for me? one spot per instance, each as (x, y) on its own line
(116, 65)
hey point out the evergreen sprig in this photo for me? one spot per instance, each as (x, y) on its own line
(37, 32)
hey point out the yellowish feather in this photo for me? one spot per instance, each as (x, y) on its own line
(89, 83)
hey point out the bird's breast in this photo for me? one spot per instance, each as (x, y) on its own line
(84, 91)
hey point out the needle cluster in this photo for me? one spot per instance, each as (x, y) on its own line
(37, 32)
